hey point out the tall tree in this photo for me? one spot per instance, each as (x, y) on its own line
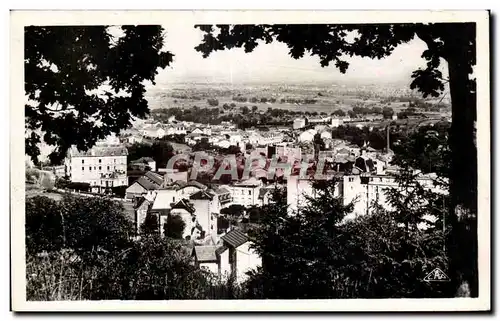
(453, 42)
(174, 227)
(65, 67)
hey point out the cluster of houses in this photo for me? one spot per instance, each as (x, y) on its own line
(224, 252)
(364, 175)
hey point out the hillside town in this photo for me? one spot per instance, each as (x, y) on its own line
(362, 176)
(150, 177)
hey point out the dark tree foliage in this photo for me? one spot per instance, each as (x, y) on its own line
(83, 224)
(174, 227)
(150, 226)
(222, 224)
(319, 144)
(298, 251)
(64, 109)
(152, 268)
(44, 227)
(119, 191)
(425, 149)
(160, 150)
(453, 42)
(234, 210)
(387, 112)
(339, 112)
(316, 254)
(213, 102)
(254, 214)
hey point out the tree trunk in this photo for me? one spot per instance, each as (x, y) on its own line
(462, 243)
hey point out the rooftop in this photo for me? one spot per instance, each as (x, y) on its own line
(100, 151)
(148, 184)
(184, 204)
(235, 238)
(205, 253)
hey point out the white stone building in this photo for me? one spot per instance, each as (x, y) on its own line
(103, 166)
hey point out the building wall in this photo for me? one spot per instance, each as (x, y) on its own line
(135, 190)
(351, 189)
(202, 212)
(225, 267)
(89, 169)
(245, 195)
(374, 190)
(165, 197)
(141, 214)
(152, 165)
(246, 260)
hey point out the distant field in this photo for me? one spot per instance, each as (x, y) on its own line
(328, 98)
(327, 105)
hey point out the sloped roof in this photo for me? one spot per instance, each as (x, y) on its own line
(220, 190)
(142, 201)
(205, 253)
(147, 183)
(202, 195)
(156, 178)
(184, 204)
(100, 151)
(235, 238)
(220, 249)
(144, 159)
(150, 181)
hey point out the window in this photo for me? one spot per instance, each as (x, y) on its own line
(100, 168)
(108, 168)
(83, 161)
(351, 179)
(249, 192)
(114, 160)
(100, 160)
(90, 168)
(173, 198)
(83, 168)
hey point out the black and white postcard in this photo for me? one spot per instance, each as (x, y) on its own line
(299, 161)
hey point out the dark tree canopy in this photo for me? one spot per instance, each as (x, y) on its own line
(174, 227)
(64, 66)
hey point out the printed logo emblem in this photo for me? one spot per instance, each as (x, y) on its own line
(437, 275)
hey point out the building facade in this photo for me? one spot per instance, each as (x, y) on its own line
(103, 166)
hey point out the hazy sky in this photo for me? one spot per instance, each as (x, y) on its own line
(271, 62)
